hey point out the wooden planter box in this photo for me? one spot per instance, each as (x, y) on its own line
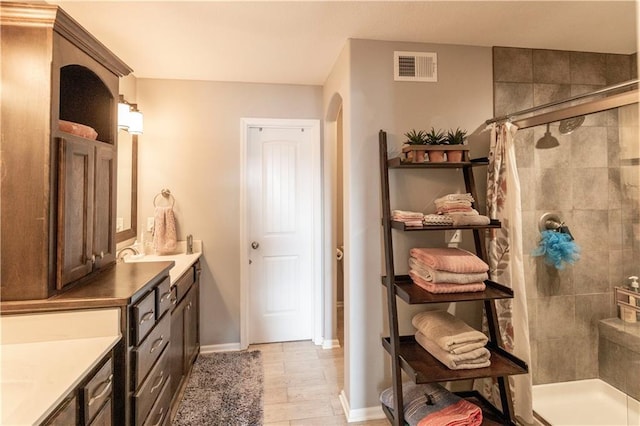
(428, 153)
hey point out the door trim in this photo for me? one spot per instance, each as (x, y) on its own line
(315, 222)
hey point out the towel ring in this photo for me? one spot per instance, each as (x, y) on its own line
(165, 193)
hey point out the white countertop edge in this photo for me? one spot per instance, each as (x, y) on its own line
(182, 262)
(52, 379)
(62, 325)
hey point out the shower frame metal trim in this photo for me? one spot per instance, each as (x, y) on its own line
(588, 107)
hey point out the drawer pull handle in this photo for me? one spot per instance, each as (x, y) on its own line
(106, 388)
(189, 306)
(146, 317)
(165, 296)
(161, 413)
(158, 382)
(156, 344)
(174, 300)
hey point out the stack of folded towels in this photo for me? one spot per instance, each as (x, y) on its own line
(447, 270)
(432, 405)
(456, 210)
(451, 341)
(407, 217)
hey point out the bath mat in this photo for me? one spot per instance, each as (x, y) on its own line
(225, 388)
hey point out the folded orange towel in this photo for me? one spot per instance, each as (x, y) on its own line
(450, 259)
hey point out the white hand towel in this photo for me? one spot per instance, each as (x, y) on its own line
(450, 333)
(164, 230)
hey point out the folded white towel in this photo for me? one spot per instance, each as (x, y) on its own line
(455, 197)
(472, 212)
(469, 220)
(477, 358)
(450, 333)
(427, 273)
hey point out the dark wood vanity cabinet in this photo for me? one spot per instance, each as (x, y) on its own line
(91, 403)
(58, 188)
(185, 333)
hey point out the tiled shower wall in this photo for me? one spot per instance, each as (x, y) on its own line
(581, 181)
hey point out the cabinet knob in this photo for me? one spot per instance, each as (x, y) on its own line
(93, 258)
(255, 245)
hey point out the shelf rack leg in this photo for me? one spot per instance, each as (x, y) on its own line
(396, 372)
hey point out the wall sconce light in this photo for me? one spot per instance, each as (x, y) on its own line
(123, 113)
(136, 125)
(129, 118)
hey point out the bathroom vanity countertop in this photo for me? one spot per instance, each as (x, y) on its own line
(182, 262)
(46, 356)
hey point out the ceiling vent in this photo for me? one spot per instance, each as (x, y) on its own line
(415, 66)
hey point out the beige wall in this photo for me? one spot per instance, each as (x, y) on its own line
(372, 101)
(191, 145)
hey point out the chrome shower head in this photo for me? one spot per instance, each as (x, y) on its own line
(570, 124)
(547, 141)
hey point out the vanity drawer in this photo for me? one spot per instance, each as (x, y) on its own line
(149, 351)
(98, 390)
(161, 412)
(163, 297)
(64, 415)
(184, 282)
(105, 416)
(151, 388)
(144, 316)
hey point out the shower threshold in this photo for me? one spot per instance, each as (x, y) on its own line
(584, 403)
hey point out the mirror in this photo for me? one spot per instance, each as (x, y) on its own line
(127, 185)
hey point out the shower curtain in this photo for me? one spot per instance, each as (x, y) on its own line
(507, 264)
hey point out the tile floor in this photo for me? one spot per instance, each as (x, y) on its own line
(302, 382)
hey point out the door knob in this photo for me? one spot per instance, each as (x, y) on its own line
(255, 245)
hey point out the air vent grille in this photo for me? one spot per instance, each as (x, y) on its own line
(415, 66)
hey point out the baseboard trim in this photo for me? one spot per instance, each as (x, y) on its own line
(225, 347)
(360, 414)
(330, 344)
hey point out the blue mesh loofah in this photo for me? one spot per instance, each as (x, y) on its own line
(557, 248)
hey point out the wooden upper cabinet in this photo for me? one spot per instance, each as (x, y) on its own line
(57, 216)
(104, 237)
(75, 210)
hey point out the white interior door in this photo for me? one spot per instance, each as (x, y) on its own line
(280, 243)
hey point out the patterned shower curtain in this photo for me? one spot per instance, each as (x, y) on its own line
(507, 264)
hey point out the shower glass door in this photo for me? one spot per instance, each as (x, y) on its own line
(584, 171)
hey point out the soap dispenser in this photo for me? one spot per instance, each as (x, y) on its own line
(628, 314)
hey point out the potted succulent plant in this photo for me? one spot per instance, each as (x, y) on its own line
(436, 138)
(452, 139)
(415, 143)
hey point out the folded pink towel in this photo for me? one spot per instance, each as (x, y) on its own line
(447, 210)
(462, 413)
(445, 288)
(436, 277)
(164, 230)
(450, 259)
(476, 358)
